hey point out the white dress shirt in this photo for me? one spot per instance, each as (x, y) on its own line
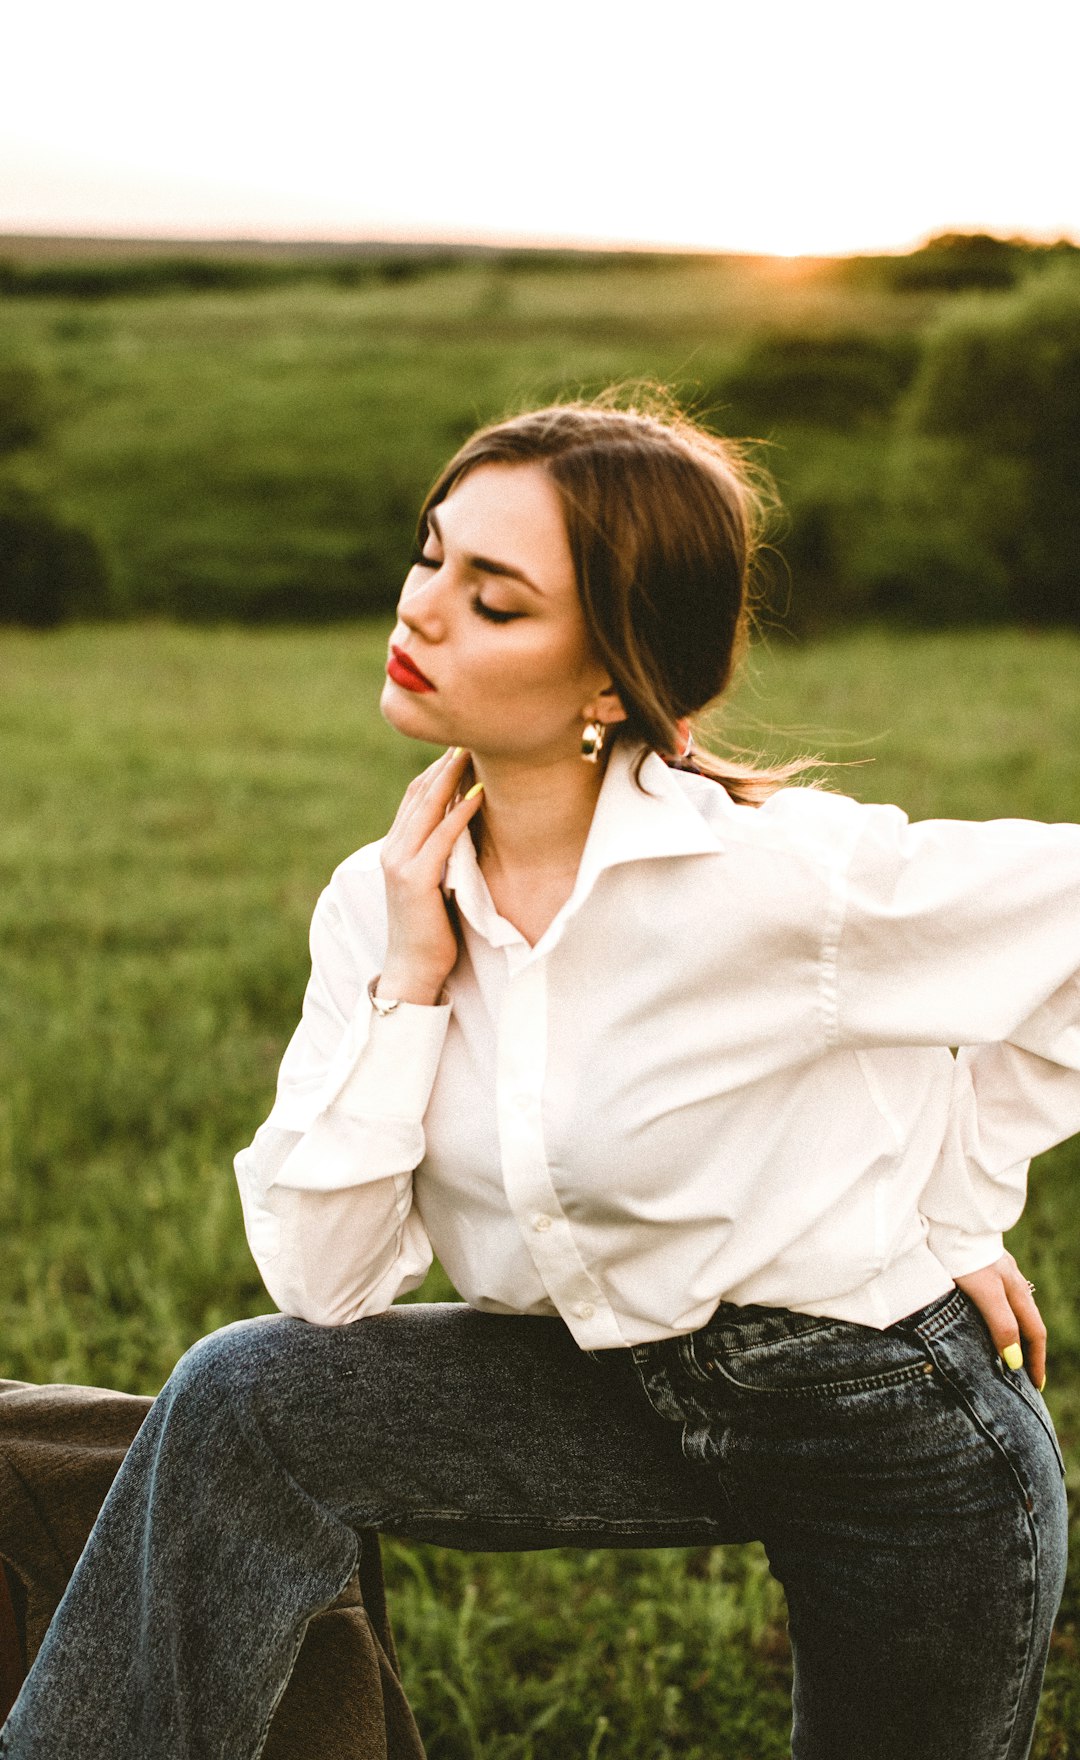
(723, 1072)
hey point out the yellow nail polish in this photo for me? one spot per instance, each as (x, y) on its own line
(457, 751)
(474, 790)
(1042, 1383)
(1012, 1356)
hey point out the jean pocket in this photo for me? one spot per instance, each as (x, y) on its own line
(1025, 1389)
(833, 1360)
(1003, 1401)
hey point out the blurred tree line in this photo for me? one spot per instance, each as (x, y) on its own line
(969, 511)
(50, 569)
(926, 455)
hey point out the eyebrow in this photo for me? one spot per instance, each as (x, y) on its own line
(485, 565)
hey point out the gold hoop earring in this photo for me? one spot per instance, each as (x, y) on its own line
(684, 737)
(592, 740)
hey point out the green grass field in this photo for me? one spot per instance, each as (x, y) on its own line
(171, 802)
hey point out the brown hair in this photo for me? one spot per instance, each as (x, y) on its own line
(665, 522)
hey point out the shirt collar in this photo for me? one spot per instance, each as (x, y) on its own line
(627, 826)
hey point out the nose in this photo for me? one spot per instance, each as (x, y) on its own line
(420, 604)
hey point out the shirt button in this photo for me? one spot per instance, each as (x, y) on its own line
(540, 1223)
(585, 1310)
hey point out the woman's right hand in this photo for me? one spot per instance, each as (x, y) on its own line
(421, 942)
(1003, 1297)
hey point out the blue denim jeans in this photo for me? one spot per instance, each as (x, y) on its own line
(907, 1486)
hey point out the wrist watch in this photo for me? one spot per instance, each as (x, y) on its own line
(387, 1004)
(381, 1004)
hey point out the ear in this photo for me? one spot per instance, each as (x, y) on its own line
(606, 706)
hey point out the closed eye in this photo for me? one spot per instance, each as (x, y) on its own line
(493, 616)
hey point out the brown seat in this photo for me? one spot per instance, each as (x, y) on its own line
(60, 1448)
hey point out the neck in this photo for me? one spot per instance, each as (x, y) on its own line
(535, 818)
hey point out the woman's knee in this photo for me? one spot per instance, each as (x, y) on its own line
(227, 1371)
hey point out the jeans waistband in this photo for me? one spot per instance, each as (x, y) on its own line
(938, 1315)
(739, 1326)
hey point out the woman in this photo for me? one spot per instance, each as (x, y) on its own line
(656, 1056)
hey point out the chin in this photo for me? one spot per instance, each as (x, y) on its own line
(400, 710)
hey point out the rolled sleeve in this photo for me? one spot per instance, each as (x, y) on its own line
(326, 1183)
(330, 1257)
(369, 1119)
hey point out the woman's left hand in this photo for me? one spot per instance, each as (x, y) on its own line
(1004, 1299)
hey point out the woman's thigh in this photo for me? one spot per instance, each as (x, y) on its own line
(909, 1491)
(435, 1421)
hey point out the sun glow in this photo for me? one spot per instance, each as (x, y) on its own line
(800, 131)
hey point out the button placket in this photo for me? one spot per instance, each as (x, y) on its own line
(521, 1057)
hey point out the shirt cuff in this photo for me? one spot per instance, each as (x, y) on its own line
(395, 1071)
(961, 1253)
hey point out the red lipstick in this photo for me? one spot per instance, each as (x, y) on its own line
(401, 669)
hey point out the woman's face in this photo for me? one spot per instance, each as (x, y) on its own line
(491, 618)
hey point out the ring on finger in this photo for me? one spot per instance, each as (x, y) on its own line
(1030, 1285)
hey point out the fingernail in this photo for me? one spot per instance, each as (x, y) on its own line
(457, 751)
(474, 790)
(1012, 1356)
(1042, 1383)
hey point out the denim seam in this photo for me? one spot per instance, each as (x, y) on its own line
(561, 1524)
(827, 1390)
(1025, 1666)
(1024, 1654)
(956, 1309)
(1015, 1380)
(688, 1357)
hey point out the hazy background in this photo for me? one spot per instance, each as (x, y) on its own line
(787, 128)
(245, 434)
(262, 272)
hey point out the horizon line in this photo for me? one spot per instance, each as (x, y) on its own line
(418, 239)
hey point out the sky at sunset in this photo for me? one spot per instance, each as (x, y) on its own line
(781, 127)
